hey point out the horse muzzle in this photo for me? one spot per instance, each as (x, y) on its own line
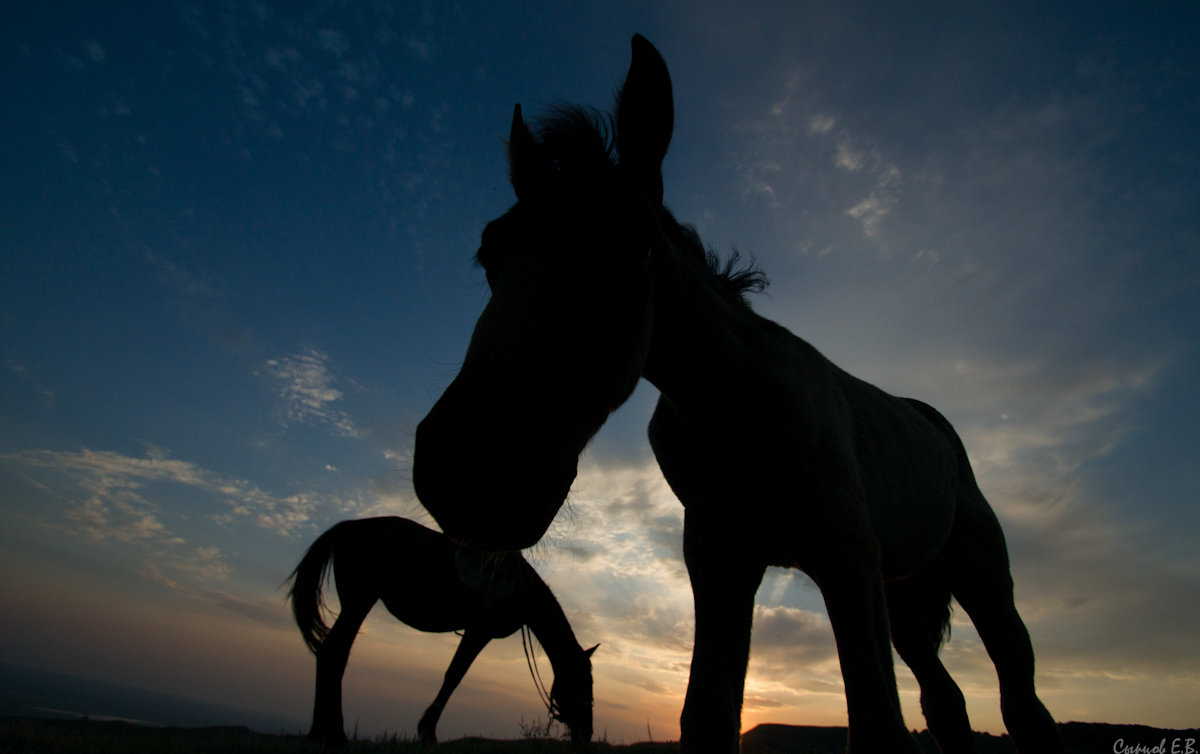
(492, 495)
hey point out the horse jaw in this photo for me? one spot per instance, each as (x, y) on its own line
(484, 500)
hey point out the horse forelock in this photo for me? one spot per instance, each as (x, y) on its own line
(581, 143)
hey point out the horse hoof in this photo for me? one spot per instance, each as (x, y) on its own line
(329, 740)
(427, 735)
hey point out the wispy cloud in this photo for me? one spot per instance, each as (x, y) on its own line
(782, 161)
(45, 395)
(305, 385)
(821, 123)
(168, 520)
(333, 41)
(120, 503)
(614, 558)
(94, 51)
(266, 612)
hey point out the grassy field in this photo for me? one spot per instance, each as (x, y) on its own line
(26, 736)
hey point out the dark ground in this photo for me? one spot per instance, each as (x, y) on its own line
(1080, 738)
(27, 736)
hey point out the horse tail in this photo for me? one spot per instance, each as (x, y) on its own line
(308, 582)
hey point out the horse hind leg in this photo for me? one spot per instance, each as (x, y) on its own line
(919, 614)
(332, 657)
(983, 586)
(1007, 642)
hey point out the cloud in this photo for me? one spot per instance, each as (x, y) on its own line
(94, 51)
(305, 385)
(422, 47)
(266, 612)
(169, 521)
(120, 502)
(282, 58)
(871, 212)
(333, 41)
(654, 687)
(820, 124)
(45, 396)
(782, 160)
(615, 561)
(760, 703)
(847, 157)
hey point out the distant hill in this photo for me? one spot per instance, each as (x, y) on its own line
(28, 692)
(1080, 738)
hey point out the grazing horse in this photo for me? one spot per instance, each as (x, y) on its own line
(432, 585)
(778, 456)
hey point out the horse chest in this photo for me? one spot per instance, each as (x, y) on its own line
(740, 471)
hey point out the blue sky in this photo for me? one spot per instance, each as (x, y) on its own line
(236, 272)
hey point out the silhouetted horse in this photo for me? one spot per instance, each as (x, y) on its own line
(779, 457)
(432, 585)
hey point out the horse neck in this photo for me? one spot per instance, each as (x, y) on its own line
(550, 625)
(706, 345)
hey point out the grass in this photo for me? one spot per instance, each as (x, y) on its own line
(27, 736)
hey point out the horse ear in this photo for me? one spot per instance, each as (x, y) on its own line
(528, 167)
(645, 117)
(588, 652)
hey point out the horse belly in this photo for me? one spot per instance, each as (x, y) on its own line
(432, 610)
(911, 504)
(787, 491)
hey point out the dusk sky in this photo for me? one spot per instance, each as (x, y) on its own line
(236, 270)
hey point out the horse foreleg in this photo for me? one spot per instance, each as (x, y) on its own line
(723, 587)
(332, 656)
(473, 642)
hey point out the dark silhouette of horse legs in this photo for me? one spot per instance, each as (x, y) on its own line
(919, 611)
(332, 656)
(426, 581)
(974, 567)
(723, 585)
(983, 585)
(848, 573)
(473, 642)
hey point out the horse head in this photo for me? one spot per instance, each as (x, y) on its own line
(571, 697)
(565, 335)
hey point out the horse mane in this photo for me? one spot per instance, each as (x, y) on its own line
(581, 143)
(737, 278)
